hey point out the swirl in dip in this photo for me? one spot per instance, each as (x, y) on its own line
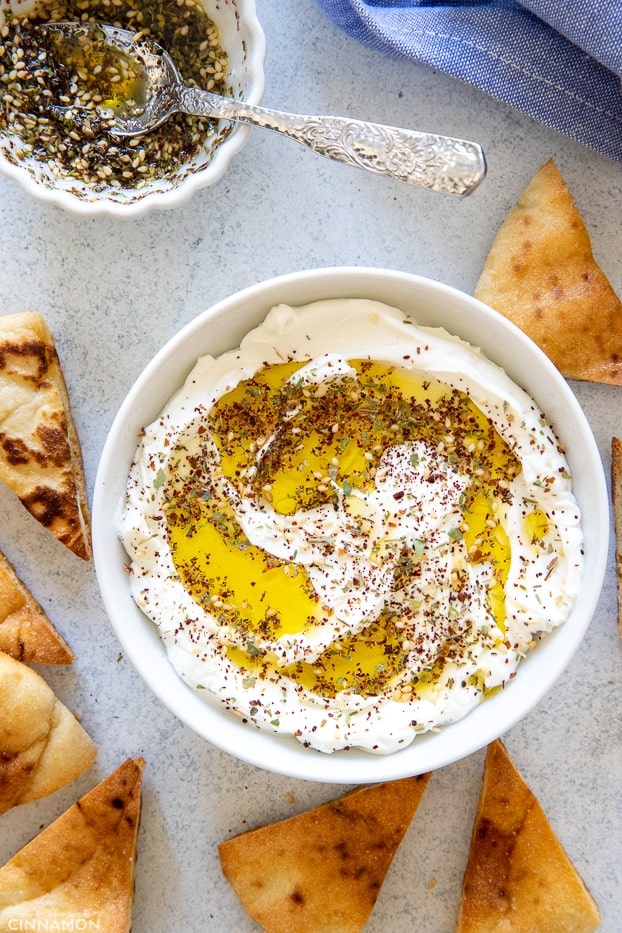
(351, 529)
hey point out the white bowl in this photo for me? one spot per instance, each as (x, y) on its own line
(243, 39)
(221, 328)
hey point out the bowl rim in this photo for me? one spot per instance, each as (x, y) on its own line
(138, 635)
(192, 182)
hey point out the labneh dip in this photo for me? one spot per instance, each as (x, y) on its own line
(352, 528)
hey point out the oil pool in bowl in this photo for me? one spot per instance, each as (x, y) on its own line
(56, 104)
(351, 529)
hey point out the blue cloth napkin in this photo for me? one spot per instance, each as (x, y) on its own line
(558, 60)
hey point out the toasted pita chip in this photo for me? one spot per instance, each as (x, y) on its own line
(616, 499)
(40, 456)
(322, 870)
(518, 878)
(42, 744)
(78, 873)
(541, 274)
(26, 633)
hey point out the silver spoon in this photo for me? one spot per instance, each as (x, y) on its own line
(440, 163)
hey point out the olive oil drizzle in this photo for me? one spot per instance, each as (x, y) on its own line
(295, 444)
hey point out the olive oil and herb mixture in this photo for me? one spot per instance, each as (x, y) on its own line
(59, 106)
(324, 438)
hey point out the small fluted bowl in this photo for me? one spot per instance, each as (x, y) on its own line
(243, 40)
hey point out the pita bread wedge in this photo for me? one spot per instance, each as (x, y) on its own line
(42, 744)
(26, 633)
(616, 499)
(40, 456)
(322, 870)
(541, 274)
(79, 872)
(518, 878)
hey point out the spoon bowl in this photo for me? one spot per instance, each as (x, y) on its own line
(156, 80)
(441, 163)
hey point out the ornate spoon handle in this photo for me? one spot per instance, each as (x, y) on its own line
(441, 163)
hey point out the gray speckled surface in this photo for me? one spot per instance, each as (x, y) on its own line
(114, 292)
